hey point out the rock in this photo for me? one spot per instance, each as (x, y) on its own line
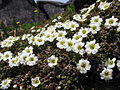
(23, 11)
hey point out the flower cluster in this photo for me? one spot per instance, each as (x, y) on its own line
(26, 57)
(107, 72)
(9, 41)
(5, 84)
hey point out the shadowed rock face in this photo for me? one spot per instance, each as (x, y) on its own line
(23, 11)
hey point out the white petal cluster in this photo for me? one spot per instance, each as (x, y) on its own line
(118, 29)
(58, 24)
(106, 74)
(5, 84)
(83, 32)
(69, 44)
(77, 37)
(83, 66)
(104, 5)
(9, 41)
(52, 61)
(35, 81)
(61, 34)
(14, 62)
(7, 55)
(96, 20)
(111, 63)
(94, 28)
(78, 48)
(59, 17)
(27, 57)
(71, 25)
(61, 43)
(25, 36)
(92, 47)
(111, 22)
(79, 17)
(118, 64)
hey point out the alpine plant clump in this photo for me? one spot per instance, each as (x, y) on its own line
(64, 52)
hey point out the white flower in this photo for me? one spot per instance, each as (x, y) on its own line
(7, 55)
(73, 25)
(28, 50)
(26, 36)
(48, 36)
(94, 28)
(118, 29)
(79, 18)
(84, 10)
(83, 32)
(61, 34)
(9, 41)
(35, 81)
(5, 84)
(111, 63)
(106, 74)
(69, 44)
(15, 86)
(1, 56)
(31, 40)
(118, 64)
(39, 41)
(104, 5)
(111, 22)
(96, 20)
(66, 24)
(91, 8)
(23, 57)
(78, 48)
(31, 60)
(54, 20)
(52, 61)
(51, 27)
(83, 66)
(14, 62)
(59, 17)
(61, 43)
(58, 24)
(92, 47)
(84, 16)
(77, 38)
(32, 27)
(76, 17)
(4, 44)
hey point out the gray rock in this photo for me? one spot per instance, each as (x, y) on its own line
(23, 11)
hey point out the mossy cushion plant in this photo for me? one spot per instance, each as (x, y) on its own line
(68, 53)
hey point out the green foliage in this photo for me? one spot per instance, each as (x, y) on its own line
(70, 8)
